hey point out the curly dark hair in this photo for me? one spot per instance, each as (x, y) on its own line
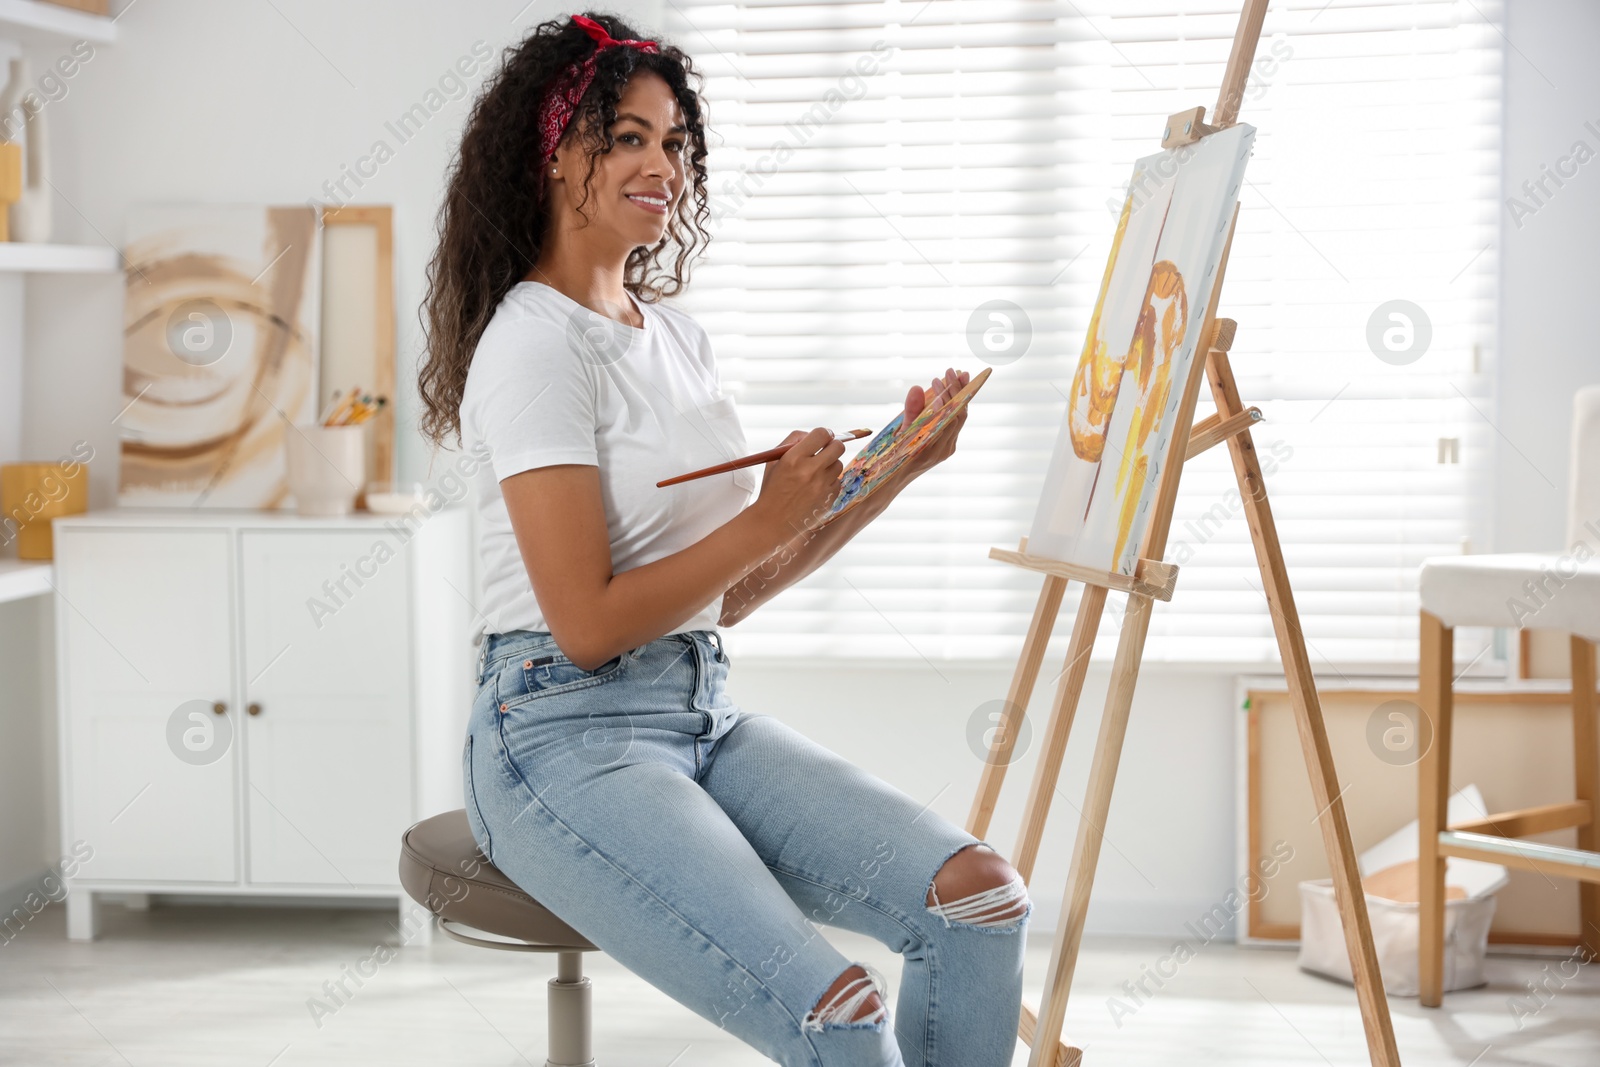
(493, 219)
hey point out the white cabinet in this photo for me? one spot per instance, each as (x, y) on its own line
(328, 713)
(255, 703)
(145, 623)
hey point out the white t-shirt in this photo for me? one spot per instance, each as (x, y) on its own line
(553, 382)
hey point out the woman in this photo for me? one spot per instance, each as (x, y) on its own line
(606, 770)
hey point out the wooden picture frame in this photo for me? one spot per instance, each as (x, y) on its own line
(358, 323)
(1513, 740)
(1543, 654)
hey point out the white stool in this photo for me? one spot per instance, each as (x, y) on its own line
(1547, 591)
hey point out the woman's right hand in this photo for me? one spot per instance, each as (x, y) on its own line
(799, 486)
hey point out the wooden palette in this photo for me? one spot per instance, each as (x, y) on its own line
(892, 446)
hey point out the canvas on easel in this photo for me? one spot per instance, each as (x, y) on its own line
(1141, 341)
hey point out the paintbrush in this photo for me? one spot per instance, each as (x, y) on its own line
(750, 461)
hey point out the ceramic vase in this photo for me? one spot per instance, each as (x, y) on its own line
(30, 215)
(326, 466)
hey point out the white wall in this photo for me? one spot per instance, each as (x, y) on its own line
(1549, 268)
(227, 102)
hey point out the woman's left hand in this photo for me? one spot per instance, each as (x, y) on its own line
(943, 443)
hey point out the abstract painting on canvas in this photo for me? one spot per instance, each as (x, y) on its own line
(1101, 481)
(219, 352)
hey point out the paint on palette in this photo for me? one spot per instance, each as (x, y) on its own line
(892, 446)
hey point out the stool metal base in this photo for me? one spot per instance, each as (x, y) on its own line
(568, 1001)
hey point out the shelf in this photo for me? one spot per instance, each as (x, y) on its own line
(185, 517)
(18, 257)
(23, 578)
(36, 22)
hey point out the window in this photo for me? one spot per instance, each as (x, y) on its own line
(882, 170)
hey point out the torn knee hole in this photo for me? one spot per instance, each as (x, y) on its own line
(979, 889)
(854, 1000)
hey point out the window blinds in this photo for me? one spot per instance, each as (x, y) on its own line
(881, 172)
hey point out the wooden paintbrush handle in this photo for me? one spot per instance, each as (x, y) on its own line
(750, 461)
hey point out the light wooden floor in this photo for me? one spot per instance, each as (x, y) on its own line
(218, 986)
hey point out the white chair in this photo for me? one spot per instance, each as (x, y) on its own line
(1548, 591)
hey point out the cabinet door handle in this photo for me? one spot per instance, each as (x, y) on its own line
(220, 708)
(254, 708)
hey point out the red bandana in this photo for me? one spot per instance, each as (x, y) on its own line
(569, 87)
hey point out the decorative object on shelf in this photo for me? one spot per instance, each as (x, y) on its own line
(219, 352)
(93, 7)
(29, 211)
(32, 494)
(10, 184)
(327, 467)
(11, 122)
(357, 336)
(389, 498)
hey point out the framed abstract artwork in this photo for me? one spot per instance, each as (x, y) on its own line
(219, 352)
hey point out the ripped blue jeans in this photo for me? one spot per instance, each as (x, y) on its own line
(700, 845)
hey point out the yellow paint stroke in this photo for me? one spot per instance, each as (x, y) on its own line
(1163, 321)
(1095, 384)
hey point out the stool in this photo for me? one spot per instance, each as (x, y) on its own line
(1549, 591)
(442, 868)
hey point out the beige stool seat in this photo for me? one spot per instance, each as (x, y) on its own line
(442, 868)
(439, 860)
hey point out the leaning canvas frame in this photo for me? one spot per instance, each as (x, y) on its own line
(219, 352)
(1102, 479)
(1509, 725)
(358, 322)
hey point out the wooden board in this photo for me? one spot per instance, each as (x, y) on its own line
(1543, 654)
(358, 323)
(1514, 745)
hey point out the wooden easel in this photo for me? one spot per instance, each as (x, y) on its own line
(1153, 580)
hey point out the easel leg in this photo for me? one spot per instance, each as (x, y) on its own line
(1434, 663)
(1325, 790)
(998, 757)
(1091, 831)
(1069, 689)
(1586, 748)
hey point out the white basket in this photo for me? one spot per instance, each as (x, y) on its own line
(1394, 935)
